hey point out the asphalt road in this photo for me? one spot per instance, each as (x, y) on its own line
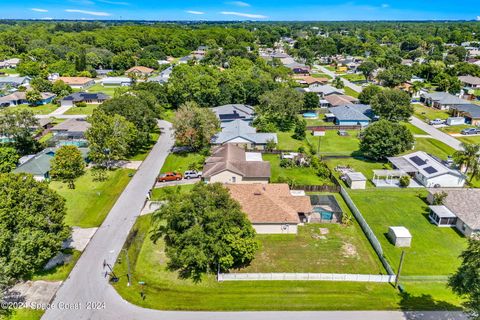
(437, 134)
(86, 294)
(347, 83)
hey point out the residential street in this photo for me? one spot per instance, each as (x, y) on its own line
(88, 284)
(437, 134)
(332, 74)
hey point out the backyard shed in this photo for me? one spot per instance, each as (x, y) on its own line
(355, 180)
(400, 236)
(455, 121)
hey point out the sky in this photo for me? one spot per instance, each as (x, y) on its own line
(259, 10)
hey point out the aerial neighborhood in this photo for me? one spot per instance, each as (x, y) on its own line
(239, 166)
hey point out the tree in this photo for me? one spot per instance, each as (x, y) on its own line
(368, 93)
(468, 158)
(392, 104)
(280, 107)
(311, 101)
(204, 232)
(67, 165)
(8, 159)
(384, 139)
(16, 125)
(338, 83)
(300, 128)
(41, 85)
(110, 138)
(195, 126)
(33, 97)
(32, 227)
(60, 88)
(466, 281)
(367, 69)
(395, 76)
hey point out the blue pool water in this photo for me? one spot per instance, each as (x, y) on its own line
(326, 215)
(310, 115)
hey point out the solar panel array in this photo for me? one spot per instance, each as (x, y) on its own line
(430, 170)
(418, 161)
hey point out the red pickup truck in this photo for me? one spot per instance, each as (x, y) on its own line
(169, 176)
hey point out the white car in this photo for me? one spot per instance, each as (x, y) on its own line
(192, 174)
(436, 122)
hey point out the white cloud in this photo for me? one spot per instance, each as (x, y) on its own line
(39, 10)
(244, 15)
(195, 12)
(478, 18)
(47, 18)
(239, 3)
(120, 3)
(92, 13)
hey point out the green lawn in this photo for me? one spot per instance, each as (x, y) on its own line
(455, 129)
(42, 109)
(24, 314)
(358, 164)
(350, 92)
(434, 250)
(334, 144)
(164, 290)
(143, 153)
(330, 68)
(467, 139)
(413, 129)
(180, 162)
(434, 147)
(46, 137)
(427, 113)
(88, 110)
(160, 194)
(109, 90)
(354, 77)
(8, 71)
(169, 115)
(59, 273)
(287, 142)
(301, 176)
(89, 203)
(321, 75)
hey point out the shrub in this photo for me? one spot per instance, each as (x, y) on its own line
(404, 181)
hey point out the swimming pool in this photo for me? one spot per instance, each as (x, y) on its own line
(310, 115)
(324, 214)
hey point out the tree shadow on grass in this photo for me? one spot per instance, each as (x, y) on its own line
(425, 302)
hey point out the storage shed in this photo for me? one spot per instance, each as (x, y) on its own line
(400, 236)
(355, 180)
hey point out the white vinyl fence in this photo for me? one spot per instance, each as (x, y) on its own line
(305, 277)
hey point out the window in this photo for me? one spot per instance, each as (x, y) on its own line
(234, 179)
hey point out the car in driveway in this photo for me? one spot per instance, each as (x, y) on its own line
(469, 131)
(169, 176)
(436, 122)
(192, 174)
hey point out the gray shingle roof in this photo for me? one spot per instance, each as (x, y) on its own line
(354, 112)
(444, 98)
(82, 96)
(472, 110)
(241, 129)
(230, 112)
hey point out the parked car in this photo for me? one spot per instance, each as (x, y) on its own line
(192, 174)
(436, 122)
(469, 131)
(169, 176)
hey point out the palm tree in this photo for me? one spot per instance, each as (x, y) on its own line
(416, 87)
(469, 159)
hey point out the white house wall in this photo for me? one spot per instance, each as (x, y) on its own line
(275, 228)
(446, 181)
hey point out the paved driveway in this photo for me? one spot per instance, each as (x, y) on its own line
(437, 134)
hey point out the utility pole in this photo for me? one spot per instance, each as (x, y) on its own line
(128, 268)
(397, 279)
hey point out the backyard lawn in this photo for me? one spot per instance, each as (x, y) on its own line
(321, 75)
(434, 147)
(109, 90)
(287, 142)
(300, 176)
(358, 164)
(334, 144)
(88, 110)
(89, 203)
(354, 77)
(350, 92)
(42, 109)
(434, 250)
(164, 290)
(427, 113)
(180, 162)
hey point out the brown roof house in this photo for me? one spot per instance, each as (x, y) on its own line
(140, 71)
(77, 82)
(336, 100)
(460, 210)
(231, 164)
(271, 208)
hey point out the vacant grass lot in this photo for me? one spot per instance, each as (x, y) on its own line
(180, 162)
(109, 90)
(43, 109)
(88, 110)
(301, 176)
(434, 147)
(426, 113)
(89, 203)
(164, 290)
(434, 250)
(334, 144)
(354, 77)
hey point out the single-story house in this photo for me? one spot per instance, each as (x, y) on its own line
(271, 208)
(103, 72)
(471, 113)
(335, 100)
(73, 128)
(9, 63)
(14, 81)
(91, 98)
(140, 71)
(309, 80)
(441, 100)
(298, 68)
(324, 90)
(353, 114)
(470, 81)
(459, 209)
(232, 164)
(162, 77)
(39, 166)
(116, 81)
(231, 112)
(428, 170)
(77, 82)
(240, 133)
(18, 98)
